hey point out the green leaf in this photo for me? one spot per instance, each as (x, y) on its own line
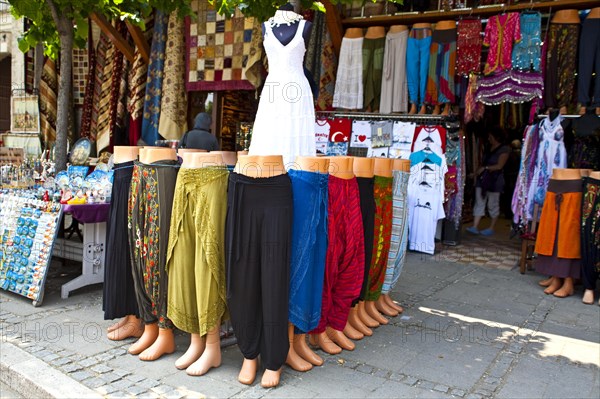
(23, 44)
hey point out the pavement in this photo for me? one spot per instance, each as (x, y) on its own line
(468, 331)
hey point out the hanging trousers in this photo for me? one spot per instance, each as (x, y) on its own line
(417, 64)
(258, 233)
(345, 257)
(382, 235)
(561, 58)
(149, 219)
(309, 247)
(119, 292)
(442, 68)
(372, 62)
(366, 189)
(589, 63)
(197, 299)
(399, 237)
(590, 233)
(393, 82)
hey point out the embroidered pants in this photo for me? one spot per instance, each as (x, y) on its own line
(590, 233)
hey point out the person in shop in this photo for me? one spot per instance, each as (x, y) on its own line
(200, 137)
(490, 181)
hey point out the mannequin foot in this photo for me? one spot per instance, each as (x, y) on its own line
(323, 341)
(566, 290)
(133, 328)
(555, 284)
(193, 352)
(436, 110)
(588, 297)
(546, 282)
(270, 378)
(365, 317)
(413, 109)
(294, 360)
(305, 352)
(423, 110)
(340, 339)
(446, 110)
(392, 304)
(164, 345)
(209, 359)
(148, 337)
(118, 324)
(382, 306)
(372, 311)
(248, 372)
(352, 333)
(357, 323)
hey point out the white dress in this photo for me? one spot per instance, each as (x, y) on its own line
(285, 120)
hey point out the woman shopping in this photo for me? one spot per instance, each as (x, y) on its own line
(490, 182)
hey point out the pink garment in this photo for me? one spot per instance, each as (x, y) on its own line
(500, 34)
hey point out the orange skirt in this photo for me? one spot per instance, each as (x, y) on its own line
(560, 223)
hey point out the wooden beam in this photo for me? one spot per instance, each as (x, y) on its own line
(114, 36)
(434, 16)
(334, 25)
(140, 40)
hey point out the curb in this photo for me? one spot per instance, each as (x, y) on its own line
(33, 378)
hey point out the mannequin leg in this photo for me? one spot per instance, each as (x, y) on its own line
(413, 108)
(164, 344)
(340, 339)
(436, 110)
(294, 360)
(133, 327)
(365, 317)
(566, 290)
(588, 297)
(392, 304)
(304, 351)
(546, 282)
(323, 341)
(352, 333)
(248, 371)
(211, 357)
(554, 285)
(193, 353)
(372, 311)
(270, 378)
(383, 307)
(148, 337)
(357, 323)
(118, 324)
(423, 110)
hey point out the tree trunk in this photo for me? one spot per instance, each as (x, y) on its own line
(64, 95)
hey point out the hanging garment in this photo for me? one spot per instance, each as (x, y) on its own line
(585, 153)
(195, 259)
(442, 67)
(399, 236)
(118, 298)
(349, 91)
(589, 63)
(558, 242)
(473, 110)
(111, 77)
(424, 210)
(394, 90)
(590, 233)
(509, 86)
(149, 217)
(327, 78)
(528, 160)
(101, 51)
(135, 101)
(345, 257)
(430, 136)
(48, 105)
(284, 123)
(417, 64)
(258, 271)
(403, 136)
(501, 32)
(309, 246)
(468, 46)
(372, 52)
(88, 99)
(527, 52)
(561, 64)
(366, 190)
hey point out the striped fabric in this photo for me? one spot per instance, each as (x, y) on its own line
(442, 68)
(48, 92)
(88, 99)
(103, 123)
(327, 76)
(399, 237)
(103, 45)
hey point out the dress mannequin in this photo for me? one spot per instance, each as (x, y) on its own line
(443, 25)
(130, 325)
(229, 157)
(155, 341)
(413, 106)
(382, 167)
(301, 357)
(287, 20)
(558, 286)
(259, 166)
(385, 300)
(332, 341)
(203, 352)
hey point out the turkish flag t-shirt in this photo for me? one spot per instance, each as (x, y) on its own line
(340, 130)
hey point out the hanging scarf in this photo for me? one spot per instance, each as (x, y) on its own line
(327, 75)
(88, 99)
(48, 104)
(101, 58)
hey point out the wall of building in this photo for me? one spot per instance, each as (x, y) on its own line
(10, 31)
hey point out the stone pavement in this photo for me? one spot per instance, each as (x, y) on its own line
(468, 331)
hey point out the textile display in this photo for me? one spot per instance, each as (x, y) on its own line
(366, 194)
(48, 93)
(394, 89)
(327, 79)
(589, 63)
(80, 70)
(372, 64)
(90, 84)
(468, 46)
(527, 52)
(99, 78)
(417, 64)
(349, 90)
(590, 233)
(442, 67)
(501, 32)
(109, 73)
(135, 101)
(560, 64)
(509, 86)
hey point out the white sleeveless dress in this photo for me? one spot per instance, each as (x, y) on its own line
(285, 120)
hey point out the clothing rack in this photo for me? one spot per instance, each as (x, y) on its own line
(564, 116)
(424, 119)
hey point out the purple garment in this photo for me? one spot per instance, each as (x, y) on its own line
(509, 86)
(88, 213)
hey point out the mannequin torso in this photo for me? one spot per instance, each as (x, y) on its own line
(566, 17)
(422, 25)
(585, 172)
(353, 33)
(196, 160)
(229, 157)
(260, 165)
(125, 153)
(595, 175)
(150, 155)
(443, 25)
(383, 167)
(312, 164)
(566, 174)
(341, 167)
(375, 32)
(401, 164)
(285, 25)
(397, 28)
(363, 167)
(594, 13)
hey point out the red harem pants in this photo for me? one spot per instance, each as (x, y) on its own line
(345, 259)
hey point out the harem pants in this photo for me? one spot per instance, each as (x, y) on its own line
(367, 209)
(590, 233)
